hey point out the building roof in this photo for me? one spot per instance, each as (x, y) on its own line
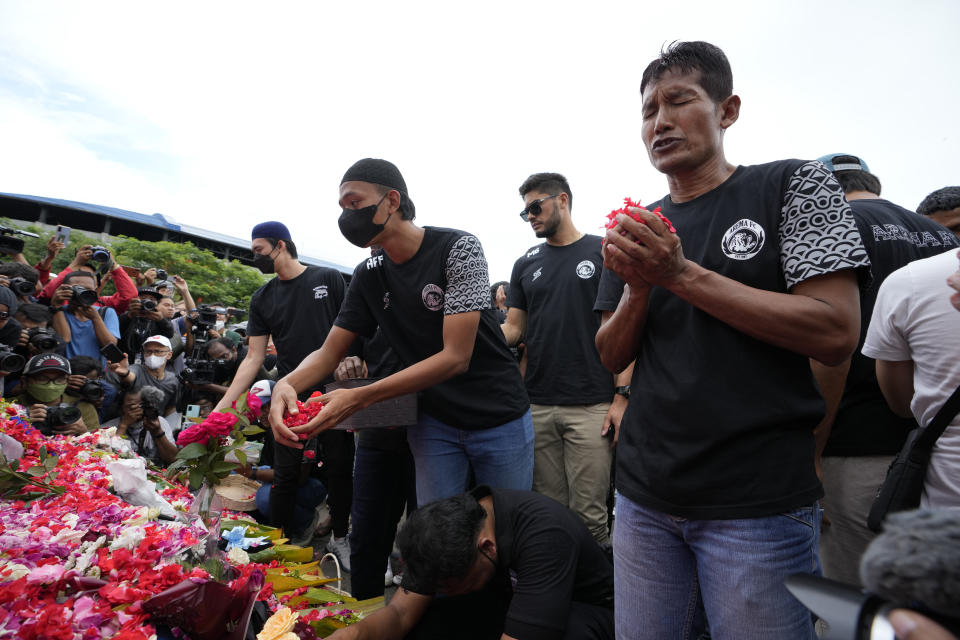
(152, 227)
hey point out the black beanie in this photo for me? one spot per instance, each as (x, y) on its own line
(383, 173)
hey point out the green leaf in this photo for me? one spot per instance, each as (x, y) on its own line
(176, 464)
(241, 456)
(252, 430)
(42, 453)
(36, 471)
(14, 465)
(50, 463)
(223, 466)
(196, 478)
(192, 451)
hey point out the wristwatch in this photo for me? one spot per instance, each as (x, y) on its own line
(54, 309)
(623, 391)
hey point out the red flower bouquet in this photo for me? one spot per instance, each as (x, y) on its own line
(629, 204)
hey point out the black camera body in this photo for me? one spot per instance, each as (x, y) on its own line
(161, 274)
(148, 304)
(9, 361)
(22, 286)
(91, 391)
(10, 245)
(200, 370)
(83, 296)
(150, 410)
(42, 339)
(61, 414)
(100, 254)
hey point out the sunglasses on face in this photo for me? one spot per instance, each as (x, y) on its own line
(4, 315)
(534, 208)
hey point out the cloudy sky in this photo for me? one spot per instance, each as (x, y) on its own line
(220, 115)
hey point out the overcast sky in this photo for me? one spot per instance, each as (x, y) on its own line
(221, 115)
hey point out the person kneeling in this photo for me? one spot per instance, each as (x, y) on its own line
(468, 547)
(51, 409)
(150, 434)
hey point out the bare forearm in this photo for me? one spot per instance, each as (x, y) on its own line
(618, 339)
(800, 323)
(511, 334)
(246, 375)
(831, 381)
(385, 624)
(61, 326)
(104, 337)
(422, 375)
(166, 449)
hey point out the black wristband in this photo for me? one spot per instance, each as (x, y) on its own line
(623, 391)
(54, 309)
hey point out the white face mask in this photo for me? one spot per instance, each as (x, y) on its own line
(219, 325)
(154, 362)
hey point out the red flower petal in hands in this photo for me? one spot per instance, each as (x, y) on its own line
(625, 209)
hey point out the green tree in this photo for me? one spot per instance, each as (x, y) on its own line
(211, 279)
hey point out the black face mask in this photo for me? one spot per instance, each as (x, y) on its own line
(357, 225)
(264, 262)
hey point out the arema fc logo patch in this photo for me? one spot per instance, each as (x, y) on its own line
(586, 269)
(743, 240)
(432, 297)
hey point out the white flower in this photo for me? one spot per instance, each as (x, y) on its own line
(237, 555)
(17, 571)
(129, 538)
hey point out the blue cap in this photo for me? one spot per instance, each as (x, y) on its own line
(271, 229)
(856, 164)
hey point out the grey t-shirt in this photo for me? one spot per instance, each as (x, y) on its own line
(169, 384)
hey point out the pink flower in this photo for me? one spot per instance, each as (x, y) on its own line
(221, 420)
(254, 406)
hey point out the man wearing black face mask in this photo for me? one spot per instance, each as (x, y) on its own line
(297, 308)
(428, 291)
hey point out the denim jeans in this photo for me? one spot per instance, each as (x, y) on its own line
(309, 496)
(383, 484)
(663, 565)
(446, 456)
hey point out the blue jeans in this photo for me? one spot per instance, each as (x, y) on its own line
(309, 496)
(446, 456)
(663, 565)
(383, 484)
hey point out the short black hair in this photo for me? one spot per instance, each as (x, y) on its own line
(19, 270)
(716, 77)
(74, 274)
(552, 183)
(227, 342)
(439, 541)
(943, 199)
(34, 312)
(407, 211)
(493, 291)
(855, 179)
(291, 248)
(82, 365)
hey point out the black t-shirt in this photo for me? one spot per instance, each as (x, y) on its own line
(894, 237)
(557, 287)
(134, 330)
(720, 424)
(298, 313)
(446, 276)
(549, 551)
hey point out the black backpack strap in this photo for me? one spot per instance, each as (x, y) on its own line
(950, 409)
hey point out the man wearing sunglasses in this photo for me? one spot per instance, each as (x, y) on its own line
(429, 292)
(574, 399)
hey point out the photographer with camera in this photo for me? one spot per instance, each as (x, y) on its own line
(87, 382)
(84, 327)
(143, 318)
(226, 356)
(150, 434)
(152, 373)
(51, 409)
(21, 279)
(9, 327)
(106, 266)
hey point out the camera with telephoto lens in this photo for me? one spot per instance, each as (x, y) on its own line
(22, 286)
(9, 361)
(100, 254)
(42, 339)
(148, 304)
(197, 368)
(83, 296)
(161, 274)
(61, 415)
(10, 245)
(150, 410)
(91, 391)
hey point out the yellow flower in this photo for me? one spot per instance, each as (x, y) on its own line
(280, 625)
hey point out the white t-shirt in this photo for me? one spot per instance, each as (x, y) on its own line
(149, 449)
(914, 320)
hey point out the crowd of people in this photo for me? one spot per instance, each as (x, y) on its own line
(640, 435)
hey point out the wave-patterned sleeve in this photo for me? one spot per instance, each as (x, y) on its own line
(818, 234)
(468, 282)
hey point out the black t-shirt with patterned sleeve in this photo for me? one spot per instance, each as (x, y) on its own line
(409, 301)
(720, 424)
